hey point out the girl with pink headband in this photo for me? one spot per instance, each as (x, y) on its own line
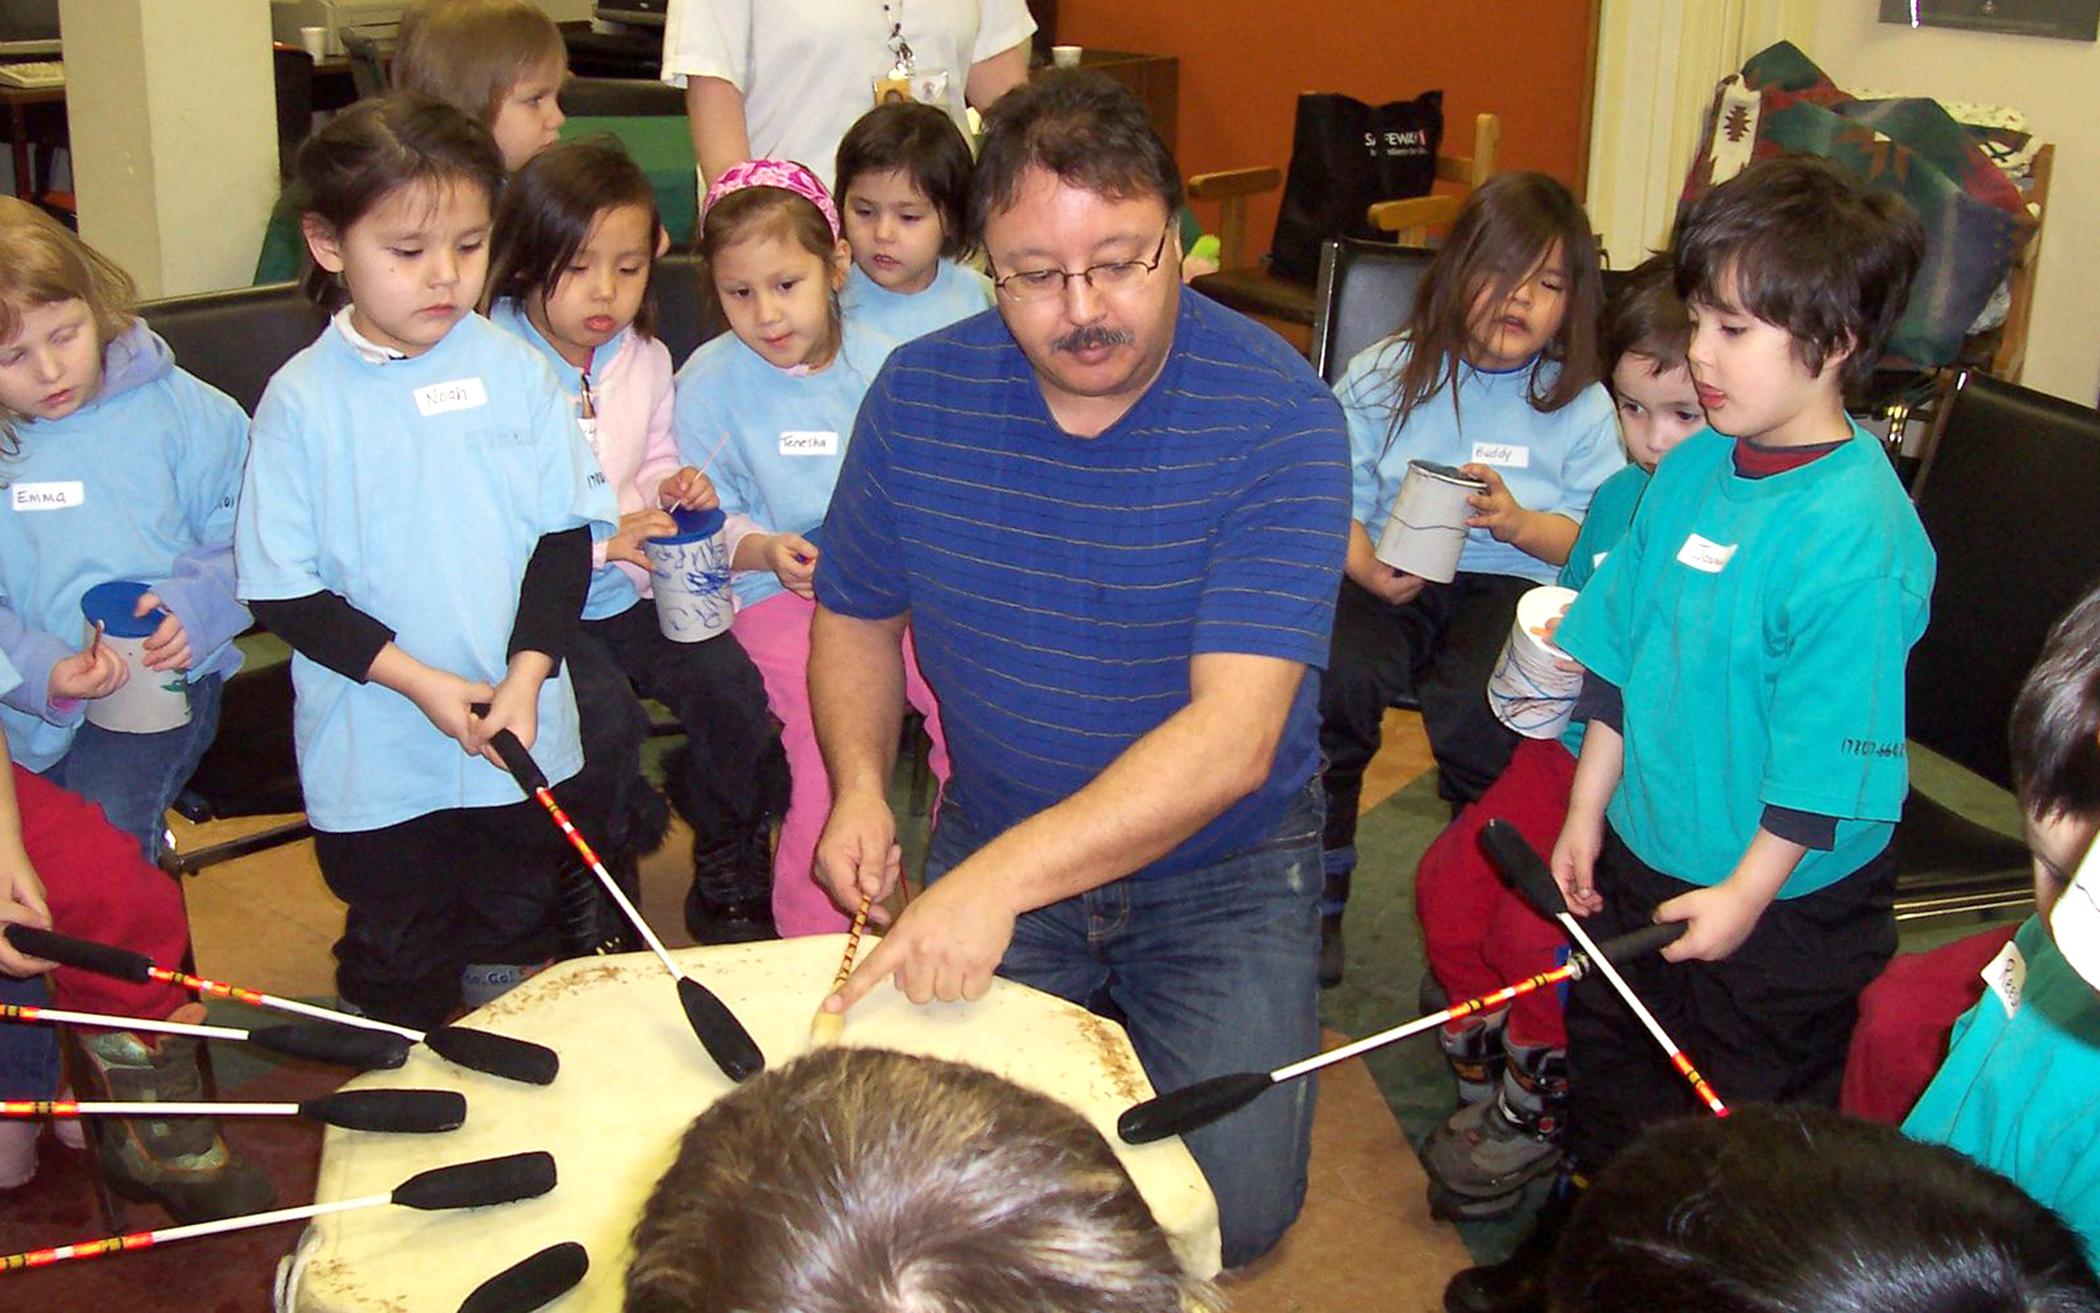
(772, 402)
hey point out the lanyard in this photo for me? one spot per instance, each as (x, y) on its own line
(900, 49)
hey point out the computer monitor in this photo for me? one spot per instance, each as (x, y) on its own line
(28, 28)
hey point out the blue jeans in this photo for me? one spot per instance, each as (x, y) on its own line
(1214, 971)
(28, 1053)
(133, 777)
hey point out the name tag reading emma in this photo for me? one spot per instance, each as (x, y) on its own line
(47, 496)
(1506, 454)
(443, 398)
(1705, 554)
(809, 442)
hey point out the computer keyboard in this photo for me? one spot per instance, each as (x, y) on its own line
(34, 75)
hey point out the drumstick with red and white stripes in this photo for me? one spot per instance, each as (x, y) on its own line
(395, 1112)
(481, 1050)
(337, 1046)
(477, 1184)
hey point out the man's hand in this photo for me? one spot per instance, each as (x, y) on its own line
(946, 945)
(168, 646)
(857, 854)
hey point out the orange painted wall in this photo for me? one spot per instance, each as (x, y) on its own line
(1243, 63)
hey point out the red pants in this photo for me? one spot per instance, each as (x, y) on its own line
(99, 887)
(1477, 933)
(1904, 1020)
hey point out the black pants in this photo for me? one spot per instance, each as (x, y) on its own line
(432, 894)
(1768, 1025)
(1441, 647)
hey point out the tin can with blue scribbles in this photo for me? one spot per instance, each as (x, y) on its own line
(1427, 530)
(689, 573)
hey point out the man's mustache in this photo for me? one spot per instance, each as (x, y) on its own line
(1093, 336)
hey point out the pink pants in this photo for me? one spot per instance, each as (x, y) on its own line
(775, 633)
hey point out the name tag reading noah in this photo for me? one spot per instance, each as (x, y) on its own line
(1705, 554)
(47, 496)
(1506, 454)
(443, 398)
(809, 442)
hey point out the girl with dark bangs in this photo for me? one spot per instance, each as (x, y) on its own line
(1495, 371)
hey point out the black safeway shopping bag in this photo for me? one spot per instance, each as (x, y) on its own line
(1345, 156)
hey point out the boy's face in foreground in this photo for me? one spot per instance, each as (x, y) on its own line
(1751, 381)
(2058, 843)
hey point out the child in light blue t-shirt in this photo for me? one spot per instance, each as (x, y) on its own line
(1495, 371)
(903, 181)
(416, 523)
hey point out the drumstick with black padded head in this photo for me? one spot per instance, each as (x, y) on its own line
(1527, 873)
(477, 1184)
(531, 1282)
(481, 1050)
(720, 1033)
(395, 1112)
(1178, 1112)
(338, 1046)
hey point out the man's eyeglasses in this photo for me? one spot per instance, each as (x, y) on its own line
(1048, 284)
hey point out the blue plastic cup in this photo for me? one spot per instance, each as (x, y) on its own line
(689, 575)
(151, 701)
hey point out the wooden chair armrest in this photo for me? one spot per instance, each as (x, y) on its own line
(1413, 214)
(1227, 183)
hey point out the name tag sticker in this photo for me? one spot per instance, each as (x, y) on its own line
(47, 496)
(1598, 560)
(2007, 977)
(1705, 554)
(809, 442)
(1506, 454)
(443, 398)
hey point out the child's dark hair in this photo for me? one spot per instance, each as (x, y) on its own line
(1083, 126)
(472, 52)
(1644, 318)
(1507, 228)
(1799, 243)
(2055, 724)
(546, 216)
(1796, 1209)
(868, 1181)
(379, 146)
(922, 142)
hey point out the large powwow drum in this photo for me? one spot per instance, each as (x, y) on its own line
(632, 1079)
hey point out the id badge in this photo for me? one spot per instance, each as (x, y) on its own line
(928, 86)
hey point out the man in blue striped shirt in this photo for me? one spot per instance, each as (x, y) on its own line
(1114, 516)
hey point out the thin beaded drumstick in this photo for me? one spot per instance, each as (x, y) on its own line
(826, 1027)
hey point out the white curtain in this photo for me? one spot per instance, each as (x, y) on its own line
(1657, 63)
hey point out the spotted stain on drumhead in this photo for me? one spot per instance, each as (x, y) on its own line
(1112, 1051)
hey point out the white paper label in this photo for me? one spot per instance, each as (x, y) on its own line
(798, 442)
(2007, 976)
(1506, 454)
(2075, 920)
(47, 496)
(589, 426)
(459, 394)
(1705, 554)
(1597, 560)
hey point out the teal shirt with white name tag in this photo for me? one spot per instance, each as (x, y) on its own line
(417, 489)
(1611, 515)
(777, 439)
(1759, 629)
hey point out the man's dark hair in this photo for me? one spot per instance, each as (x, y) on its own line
(1797, 1209)
(1799, 243)
(1081, 125)
(2055, 724)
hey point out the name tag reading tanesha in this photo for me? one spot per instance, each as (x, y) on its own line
(809, 442)
(62, 496)
(443, 398)
(1705, 554)
(1506, 454)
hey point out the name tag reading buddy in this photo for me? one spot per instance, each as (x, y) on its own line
(1506, 454)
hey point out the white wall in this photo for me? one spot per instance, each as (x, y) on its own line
(2056, 84)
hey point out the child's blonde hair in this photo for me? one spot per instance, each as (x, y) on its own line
(472, 52)
(42, 263)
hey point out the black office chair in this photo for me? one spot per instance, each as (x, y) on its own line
(686, 312)
(609, 97)
(1364, 293)
(2009, 493)
(368, 55)
(235, 341)
(292, 71)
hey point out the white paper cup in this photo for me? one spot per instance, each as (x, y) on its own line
(1427, 529)
(315, 39)
(1066, 56)
(1528, 691)
(151, 700)
(689, 574)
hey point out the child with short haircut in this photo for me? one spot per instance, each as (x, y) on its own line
(576, 239)
(2020, 1089)
(903, 181)
(869, 1181)
(1745, 644)
(1495, 372)
(1477, 933)
(119, 466)
(416, 524)
(772, 403)
(1799, 1210)
(500, 61)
